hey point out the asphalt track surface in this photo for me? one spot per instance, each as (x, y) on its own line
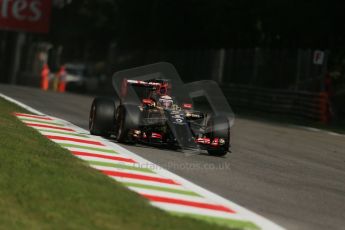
(290, 175)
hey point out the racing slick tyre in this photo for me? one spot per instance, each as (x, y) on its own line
(128, 118)
(102, 116)
(220, 128)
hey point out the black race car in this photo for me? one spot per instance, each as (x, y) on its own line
(157, 118)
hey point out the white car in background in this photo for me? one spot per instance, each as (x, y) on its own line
(77, 78)
(75, 75)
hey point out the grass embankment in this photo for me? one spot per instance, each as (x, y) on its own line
(42, 186)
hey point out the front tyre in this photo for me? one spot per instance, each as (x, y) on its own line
(219, 128)
(102, 116)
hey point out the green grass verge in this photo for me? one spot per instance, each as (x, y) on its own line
(42, 186)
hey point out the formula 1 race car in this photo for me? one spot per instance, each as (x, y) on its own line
(158, 119)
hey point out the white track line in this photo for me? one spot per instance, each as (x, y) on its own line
(28, 108)
(47, 133)
(51, 133)
(52, 129)
(169, 194)
(111, 161)
(130, 180)
(113, 169)
(199, 211)
(76, 149)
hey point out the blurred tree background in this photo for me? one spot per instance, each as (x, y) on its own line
(266, 43)
(199, 24)
(203, 23)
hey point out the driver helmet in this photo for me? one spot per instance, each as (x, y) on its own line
(166, 101)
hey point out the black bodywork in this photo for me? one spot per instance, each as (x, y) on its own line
(136, 115)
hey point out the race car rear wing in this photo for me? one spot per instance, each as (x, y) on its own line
(143, 83)
(161, 88)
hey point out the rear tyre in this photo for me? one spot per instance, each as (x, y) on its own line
(128, 118)
(102, 116)
(219, 127)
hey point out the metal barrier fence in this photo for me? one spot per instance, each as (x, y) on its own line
(288, 103)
